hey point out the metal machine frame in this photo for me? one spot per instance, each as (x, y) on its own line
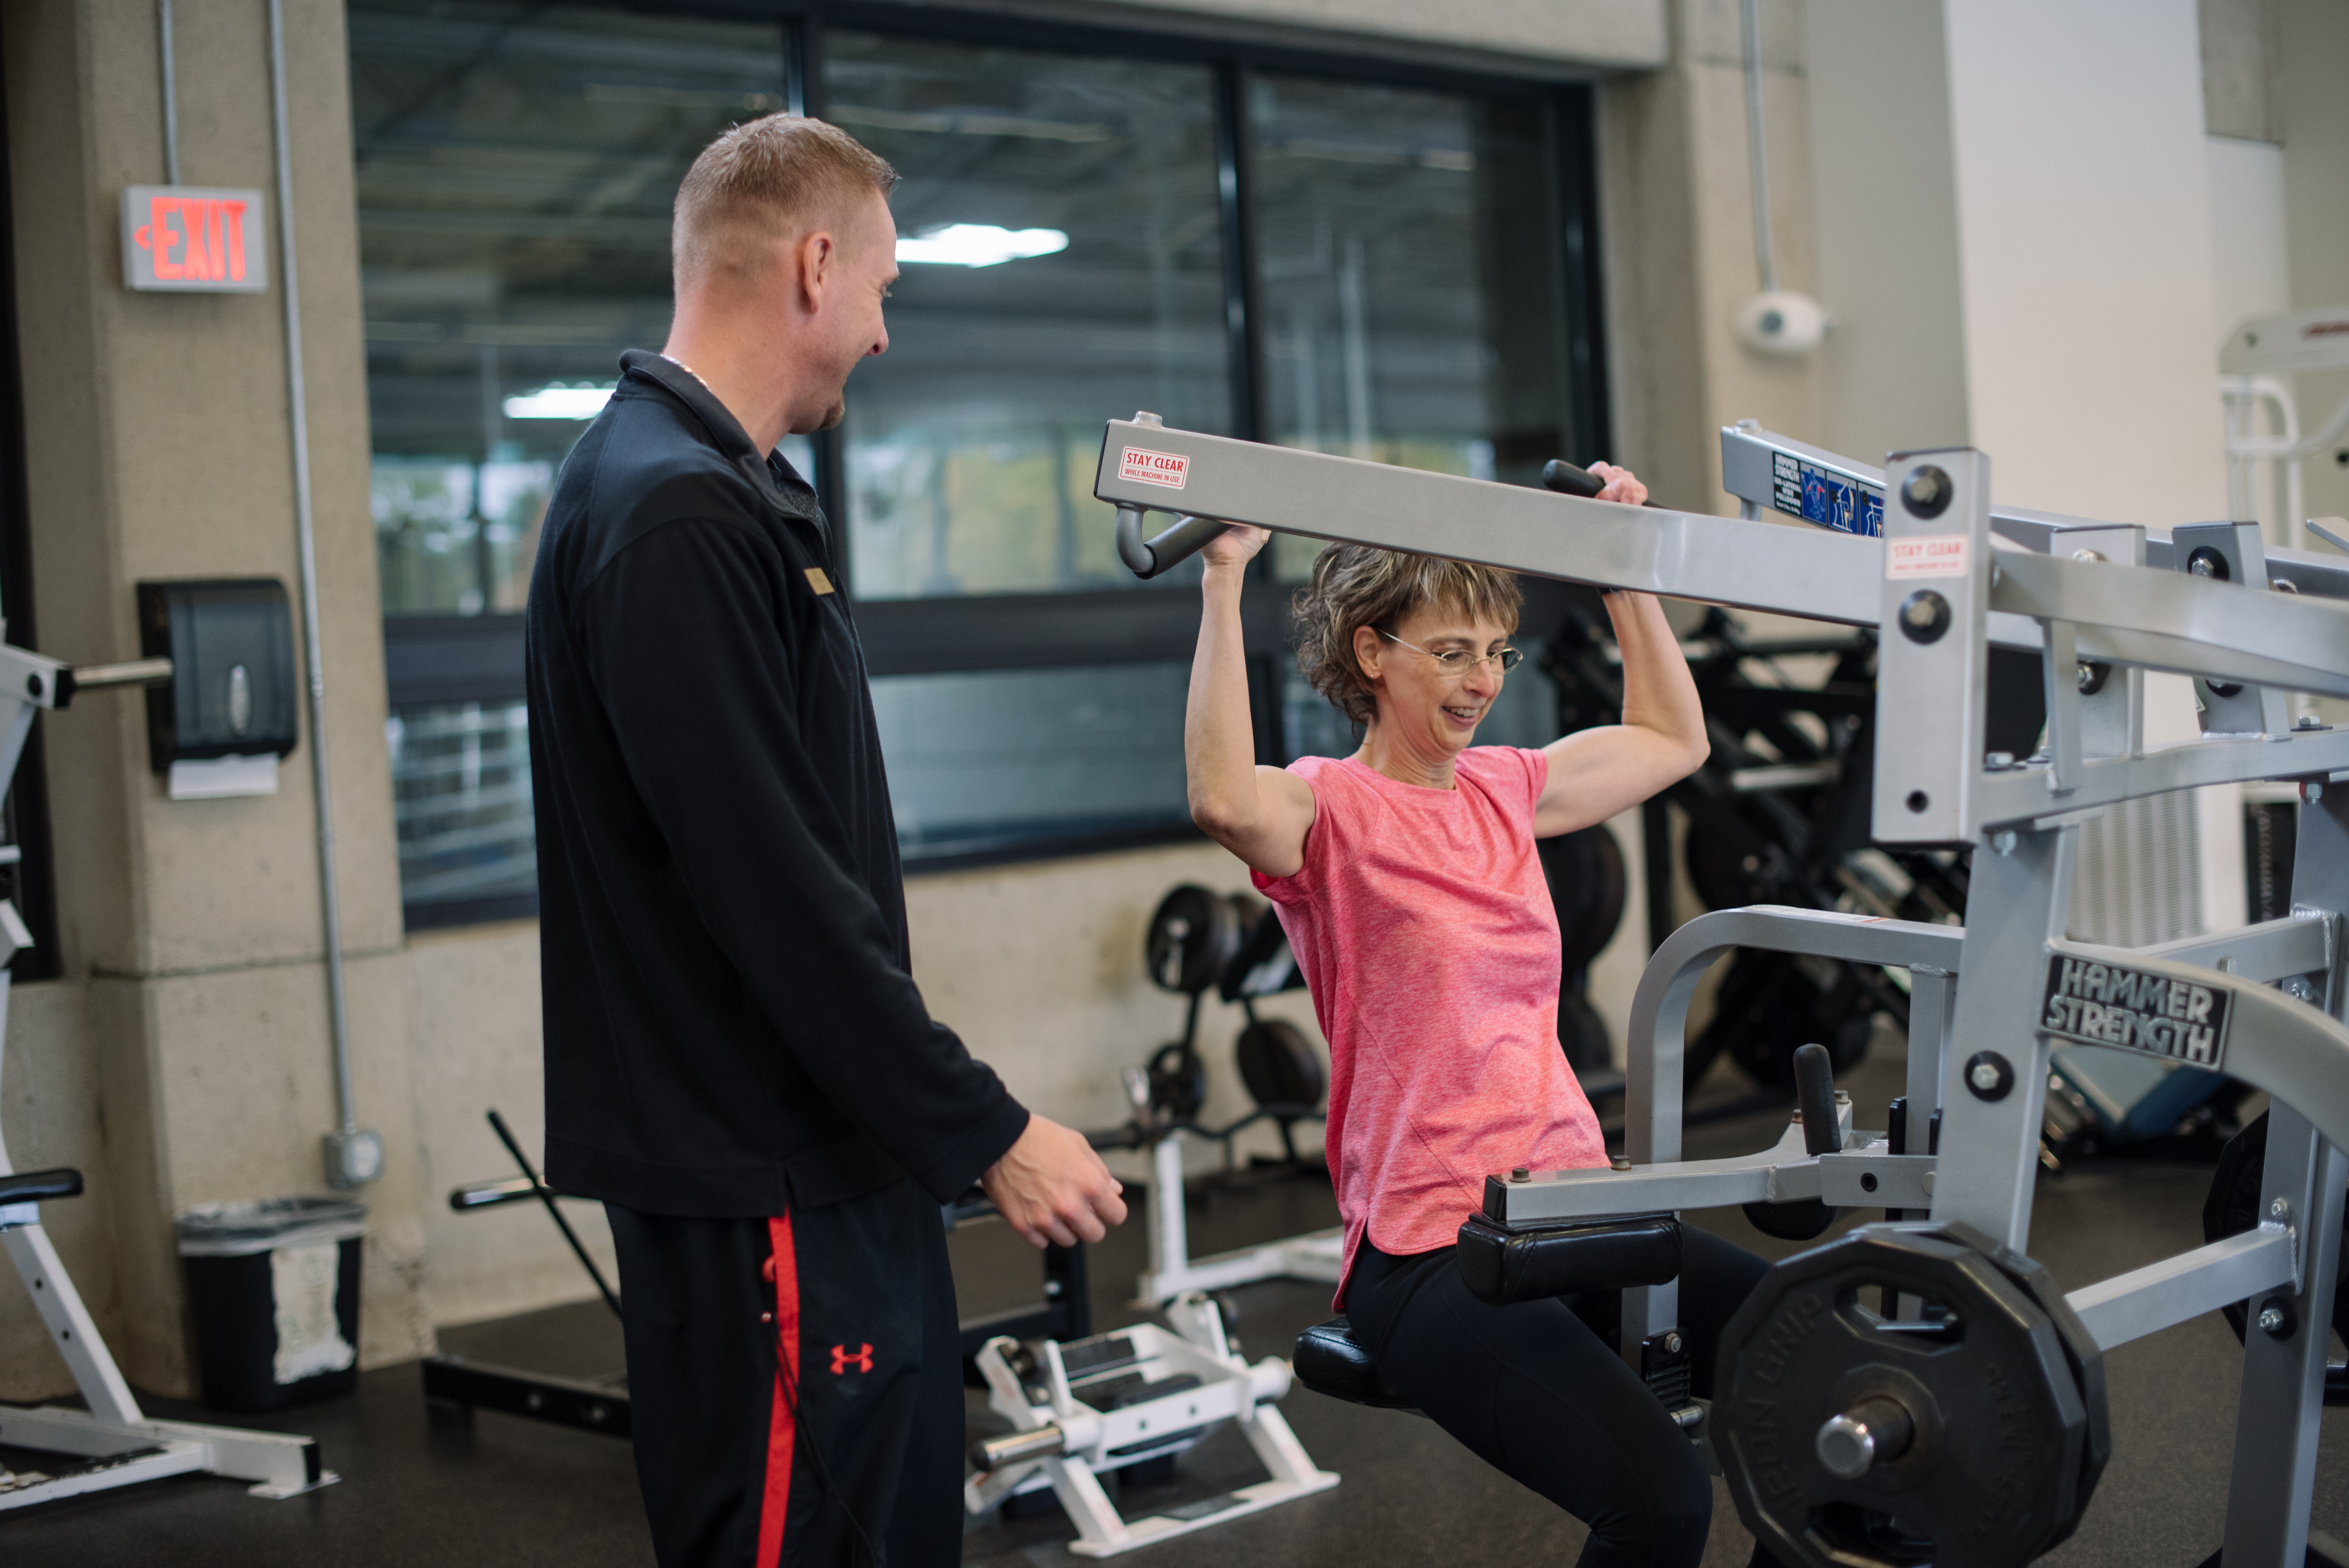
(1951, 576)
(112, 1439)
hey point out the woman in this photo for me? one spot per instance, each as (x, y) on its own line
(1407, 880)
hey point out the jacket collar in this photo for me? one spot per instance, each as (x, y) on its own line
(774, 477)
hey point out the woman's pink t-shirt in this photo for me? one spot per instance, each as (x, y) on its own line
(1425, 928)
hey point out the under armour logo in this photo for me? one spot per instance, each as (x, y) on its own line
(843, 1358)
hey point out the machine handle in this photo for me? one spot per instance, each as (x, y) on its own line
(1148, 558)
(989, 1454)
(1815, 1093)
(1572, 478)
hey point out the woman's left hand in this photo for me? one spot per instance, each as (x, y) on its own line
(1622, 484)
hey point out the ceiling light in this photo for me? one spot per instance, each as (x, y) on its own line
(978, 245)
(557, 401)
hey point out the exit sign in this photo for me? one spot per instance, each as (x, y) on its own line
(179, 238)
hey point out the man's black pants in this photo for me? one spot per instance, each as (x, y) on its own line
(852, 1457)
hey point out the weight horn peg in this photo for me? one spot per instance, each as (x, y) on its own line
(1872, 1432)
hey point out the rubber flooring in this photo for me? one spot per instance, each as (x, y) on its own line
(419, 1488)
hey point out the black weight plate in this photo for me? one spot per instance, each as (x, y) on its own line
(1585, 873)
(1193, 934)
(1582, 1035)
(1992, 1476)
(1723, 866)
(1178, 1081)
(2080, 1348)
(2233, 1207)
(1772, 1004)
(1279, 1066)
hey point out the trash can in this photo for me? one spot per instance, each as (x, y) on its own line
(273, 1288)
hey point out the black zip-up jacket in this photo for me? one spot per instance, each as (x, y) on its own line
(732, 1028)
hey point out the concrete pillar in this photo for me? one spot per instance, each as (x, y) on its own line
(159, 447)
(1679, 246)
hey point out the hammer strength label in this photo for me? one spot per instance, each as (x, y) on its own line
(2105, 1005)
(1933, 555)
(1169, 468)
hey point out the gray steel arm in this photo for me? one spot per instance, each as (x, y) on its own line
(2126, 615)
(1651, 1093)
(2275, 1042)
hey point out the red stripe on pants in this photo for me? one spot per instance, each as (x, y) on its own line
(775, 1506)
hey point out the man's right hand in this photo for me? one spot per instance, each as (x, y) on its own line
(1052, 1188)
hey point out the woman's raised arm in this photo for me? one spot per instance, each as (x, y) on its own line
(1595, 773)
(1260, 814)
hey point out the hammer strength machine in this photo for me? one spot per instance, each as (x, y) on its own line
(1917, 1390)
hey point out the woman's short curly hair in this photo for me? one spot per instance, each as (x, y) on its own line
(1355, 585)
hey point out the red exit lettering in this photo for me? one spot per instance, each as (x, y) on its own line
(211, 234)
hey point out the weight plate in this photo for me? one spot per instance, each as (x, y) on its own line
(1990, 1477)
(2233, 1207)
(1582, 1035)
(1279, 1066)
(1771, 1004)
(2080, 1350)
(1178, 1081)
(1725, 863)
(1193, 934)
(1585, 873)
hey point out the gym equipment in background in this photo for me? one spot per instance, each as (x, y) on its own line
(1917, 1390)
(1132, 1396)
(109, 1443)
(1200, 940)
(461, 1386)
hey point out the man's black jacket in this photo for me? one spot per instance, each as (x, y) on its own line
(731, 1026)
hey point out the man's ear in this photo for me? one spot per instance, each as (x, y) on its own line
(815, 267)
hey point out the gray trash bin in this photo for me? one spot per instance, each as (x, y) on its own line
(273, 1288)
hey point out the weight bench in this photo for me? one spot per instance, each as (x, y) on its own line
(1504, 1266)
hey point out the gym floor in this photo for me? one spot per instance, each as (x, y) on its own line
(423, 1489)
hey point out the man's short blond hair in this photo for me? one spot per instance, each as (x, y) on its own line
(771, 179)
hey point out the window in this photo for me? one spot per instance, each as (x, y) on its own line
(1278, 247)
(515, 165)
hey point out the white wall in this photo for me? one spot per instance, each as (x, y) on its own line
(2090, 331)
(2316, 119)
(2089, 298)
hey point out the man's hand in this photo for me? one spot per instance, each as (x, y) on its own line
(1052, 1188)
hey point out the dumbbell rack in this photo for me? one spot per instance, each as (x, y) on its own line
(109, 1443)
(1950, 577)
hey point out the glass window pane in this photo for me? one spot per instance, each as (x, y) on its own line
(1060, 245)
(986, 761)
(460, 794)
(515, 169)
(1411, 279)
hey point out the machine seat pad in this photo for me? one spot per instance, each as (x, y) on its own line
(1501, 1266)
(1331, 1361)
(32, 1186)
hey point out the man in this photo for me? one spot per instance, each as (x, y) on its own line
(738, 1061)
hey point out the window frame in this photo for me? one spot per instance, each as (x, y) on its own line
(970, 633)
(24, 818)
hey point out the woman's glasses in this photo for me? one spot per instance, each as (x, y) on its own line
(1460, 661)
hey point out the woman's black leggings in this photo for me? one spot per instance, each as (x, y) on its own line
(1541, 1393)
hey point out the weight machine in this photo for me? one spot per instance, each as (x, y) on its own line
(110, 1443)
(1919, 1390)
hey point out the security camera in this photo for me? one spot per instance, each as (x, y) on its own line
(1782, 324)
